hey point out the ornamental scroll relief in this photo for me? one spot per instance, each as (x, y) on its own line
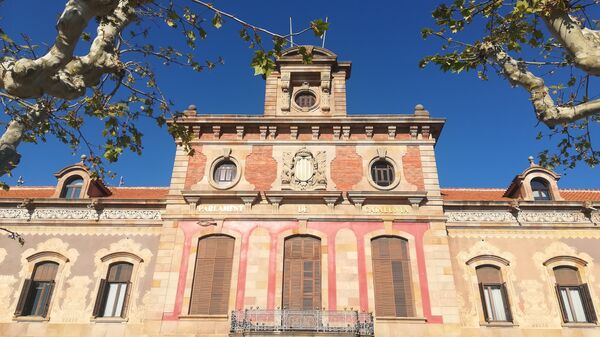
(523, 217)
(304, 171)
(79, 214)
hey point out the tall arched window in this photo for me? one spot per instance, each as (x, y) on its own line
(212, 276)
(113, 293)
(391, 277)
(493, 292)
(540, 189)
(302, 273)
(574, 296)
(72, 188)
(37, 291)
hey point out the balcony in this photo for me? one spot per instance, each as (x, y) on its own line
(258, 322)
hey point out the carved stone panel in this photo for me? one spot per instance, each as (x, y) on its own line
(304, 171)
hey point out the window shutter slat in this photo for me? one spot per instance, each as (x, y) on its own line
(23, 297)
(48, 295)
(483, 304)
(590, 313)
(98, 306)
(561, 304)
(212, 276)
(506, 303)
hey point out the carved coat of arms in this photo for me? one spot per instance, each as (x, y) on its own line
(304, 171)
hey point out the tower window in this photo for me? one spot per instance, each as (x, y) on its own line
(225, 172)
(382, 173)
(306, 99)
(540, 189)
(72, 189)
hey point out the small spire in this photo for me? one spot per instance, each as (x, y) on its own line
(20, 181)
(531, 162)
(121, 181)
(83, 158)
(191, 110)
(420, 110)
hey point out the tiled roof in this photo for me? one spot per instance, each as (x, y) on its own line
(117, 192)
(495, 194)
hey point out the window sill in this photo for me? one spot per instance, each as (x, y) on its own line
(192, 317)
(31, 319)
(402, 319)
(579, 325)
(498, 324)
(108, 320)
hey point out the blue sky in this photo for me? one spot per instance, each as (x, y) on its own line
(382, 39)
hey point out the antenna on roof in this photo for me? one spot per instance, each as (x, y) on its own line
(324, 34)
(20, 181)
(291, 34)
(121, 181)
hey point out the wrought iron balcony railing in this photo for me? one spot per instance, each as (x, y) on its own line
(259, 320)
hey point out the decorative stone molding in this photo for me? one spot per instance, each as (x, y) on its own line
(552, 217)
(480, 216)
(272, 132)
(391, 132)
(130, 214)
(263, 132)
(293, 132)
(216, 129)
(346, 132)
(570, 217)
(304, 170)
(14, 213)
(239, 130)
(315, 132)
(337, 129)
(64, 214)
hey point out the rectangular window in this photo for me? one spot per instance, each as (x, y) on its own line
(494, 302)
(115, 298)
(572, 304)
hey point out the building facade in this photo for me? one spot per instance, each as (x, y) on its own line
(304, 221)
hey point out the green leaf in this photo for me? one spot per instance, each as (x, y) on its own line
(319, 27)
(217, 21)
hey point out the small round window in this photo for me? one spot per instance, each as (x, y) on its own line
(382, 173)
(306, 99)
(225, 172)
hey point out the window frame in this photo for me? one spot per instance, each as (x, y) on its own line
(547, 189)
(486, 288)
(395, 169)
(301, 91)
(215, 164)
(585, 299)
(316, 268)
(102, 296)
(580, 265)
(68, 186)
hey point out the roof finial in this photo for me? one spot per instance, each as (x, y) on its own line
(20, 181)
(83, 158)
(121, 181)
(531, 162)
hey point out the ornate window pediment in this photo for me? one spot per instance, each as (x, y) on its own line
(304, 171)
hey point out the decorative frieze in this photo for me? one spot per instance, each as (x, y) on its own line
(552, 217)
(566, 217)
(78, 214)
(64, 214)
(130, 214)
(14, 213)
(480, 216)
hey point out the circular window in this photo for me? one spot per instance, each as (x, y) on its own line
(225, 173)
(382, 173)
(306, 99)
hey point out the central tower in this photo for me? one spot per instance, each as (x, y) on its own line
(315, 89)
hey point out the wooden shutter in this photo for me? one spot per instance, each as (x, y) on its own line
(23, 297)
(588, 305)
(506, 303)
(561, 304)
(48, 290)
(302, 273)
(126, 300)
(45, 271)
(100, 301)
(483, 304)
(391, 277)
(212, 276)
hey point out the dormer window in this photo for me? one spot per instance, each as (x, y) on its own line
(540, 189)
(72, 189)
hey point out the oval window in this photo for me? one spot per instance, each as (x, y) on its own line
(225, 172)
(306, 99)
(382, 173)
